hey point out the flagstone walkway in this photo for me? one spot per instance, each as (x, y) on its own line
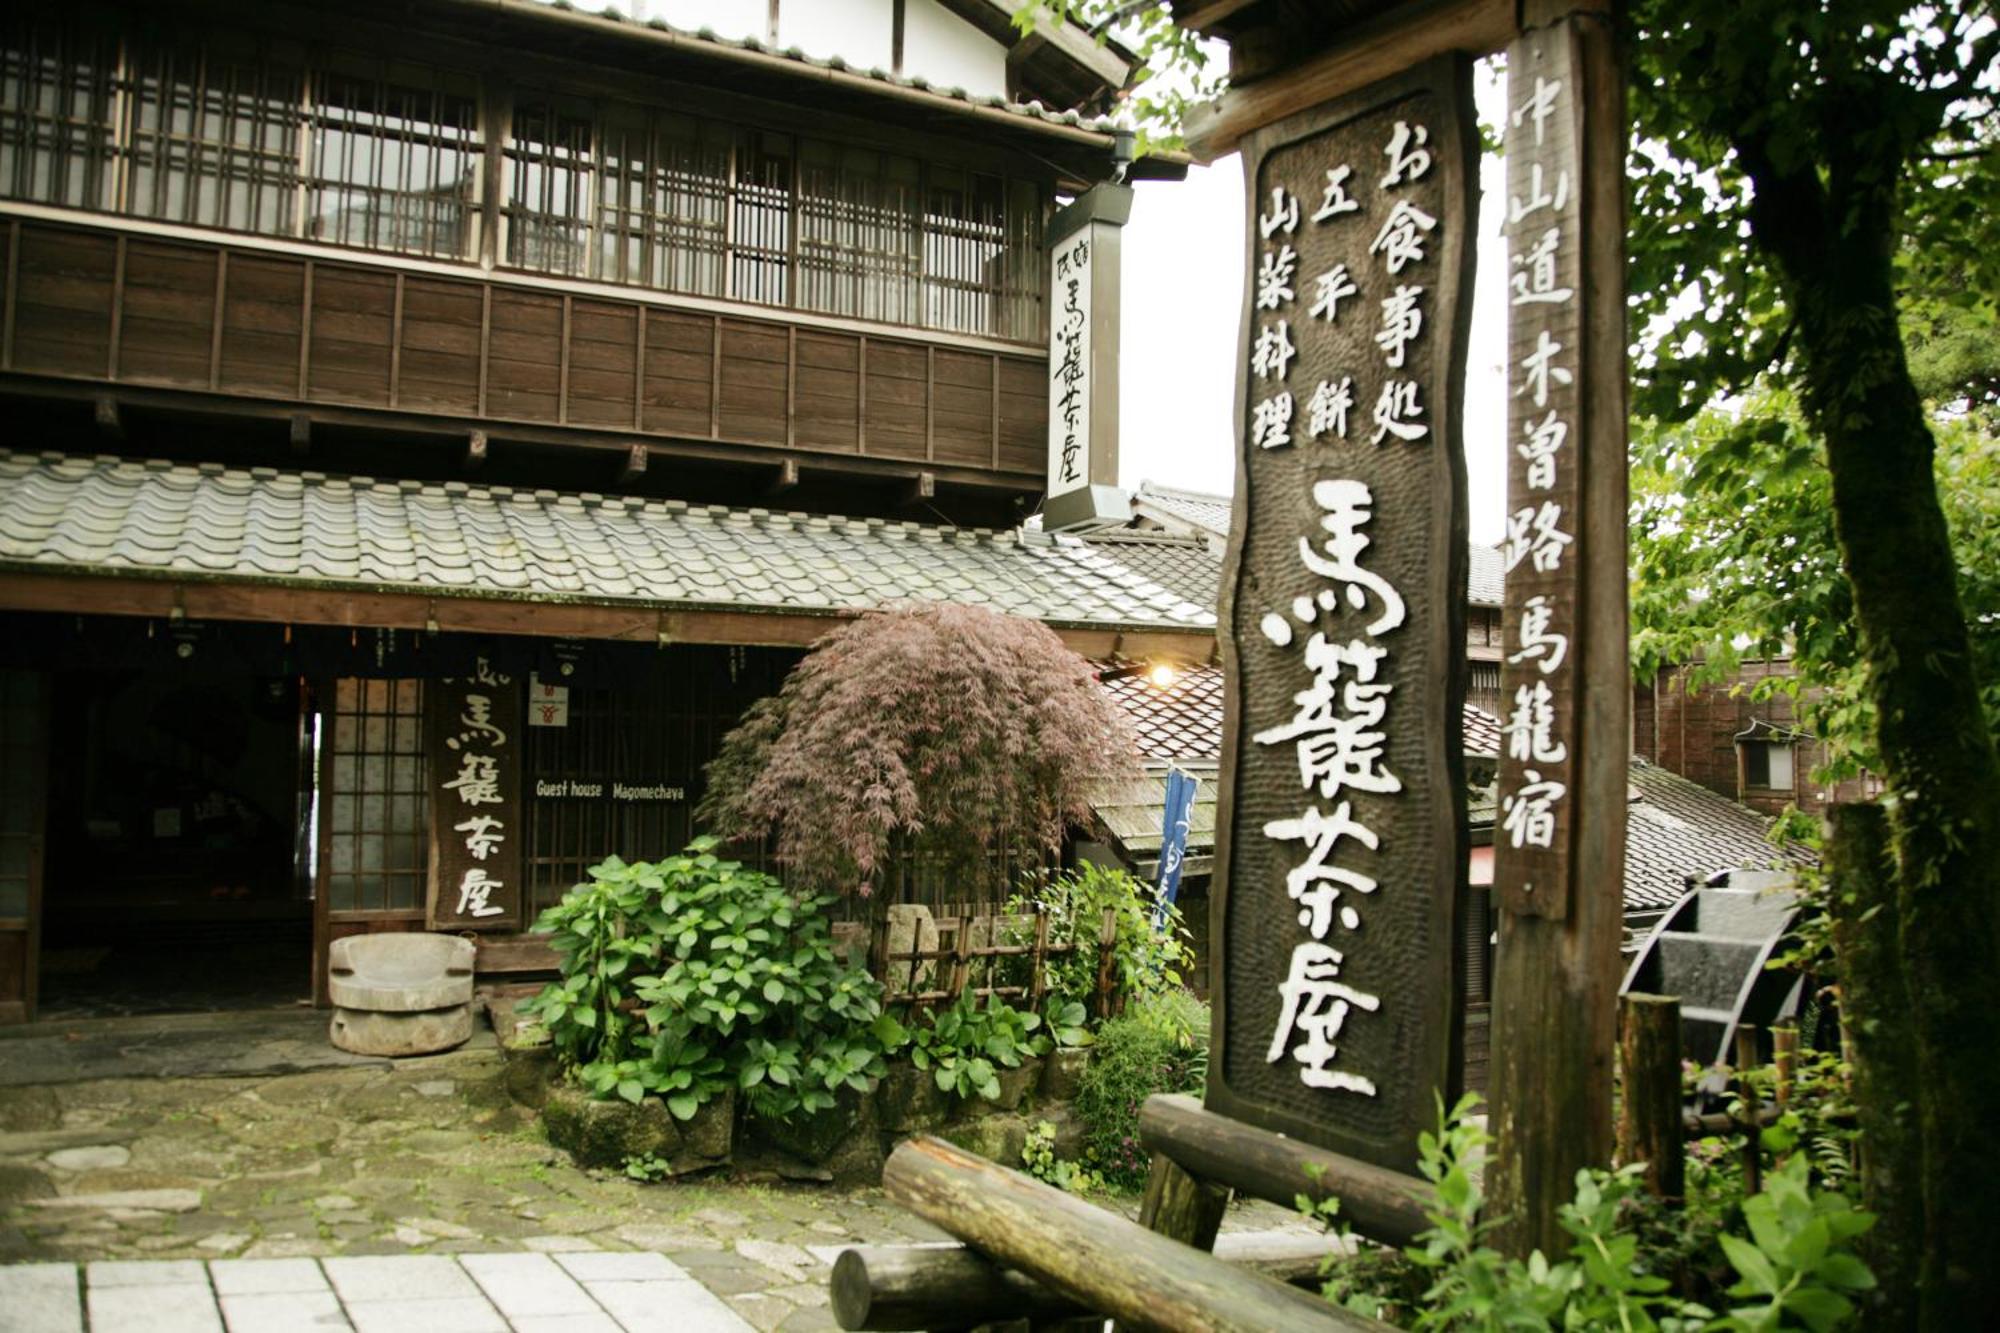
(590, 1291)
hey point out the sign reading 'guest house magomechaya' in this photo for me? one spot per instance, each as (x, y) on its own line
(1341, 824)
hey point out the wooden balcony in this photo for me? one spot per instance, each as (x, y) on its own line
(242, 325)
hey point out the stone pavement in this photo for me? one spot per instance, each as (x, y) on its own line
(425, 1161)
(579, 1292)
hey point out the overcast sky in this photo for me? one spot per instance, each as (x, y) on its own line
(1183, 286)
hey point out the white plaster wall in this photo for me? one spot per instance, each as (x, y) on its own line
(861, 32)
(734, 19)
(950, 52)
(937, 44)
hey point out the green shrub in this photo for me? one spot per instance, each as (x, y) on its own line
(1794, 1270)
(691, 975)
(966, 1044)
(1159, 1044)
(1149, 960)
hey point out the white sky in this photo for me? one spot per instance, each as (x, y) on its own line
(1183, 294)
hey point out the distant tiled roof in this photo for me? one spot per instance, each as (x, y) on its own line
(1482, 732)
(110, 515)
(1130, 816)
(1210, 513)
(807, 63)
(1675, 828)
(1183, 721)
(1178, 721)
(1184, 566)
(1486, 581)
(1196, 511)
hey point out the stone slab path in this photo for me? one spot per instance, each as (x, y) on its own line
(581, 1292)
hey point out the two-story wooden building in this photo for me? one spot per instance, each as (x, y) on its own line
(426, 424)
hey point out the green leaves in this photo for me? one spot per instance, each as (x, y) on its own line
(692, 975)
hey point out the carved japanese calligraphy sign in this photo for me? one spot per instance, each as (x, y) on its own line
(1537, 820)
(1341, 841)
(474, 727)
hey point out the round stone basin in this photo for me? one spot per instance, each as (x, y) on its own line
(400, 973)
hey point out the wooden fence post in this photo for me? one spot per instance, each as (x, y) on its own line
(1753, 1123)
(1784, 1058)
(1649, 1112)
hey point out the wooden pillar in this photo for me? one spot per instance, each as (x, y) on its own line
(1557, 965)
(1649, 1116)
(1753, 1118)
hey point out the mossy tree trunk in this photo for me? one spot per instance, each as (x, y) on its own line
(1833, 235)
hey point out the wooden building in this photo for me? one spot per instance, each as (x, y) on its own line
(427, 424)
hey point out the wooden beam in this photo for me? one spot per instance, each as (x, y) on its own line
(1201, 17)
(1096, 1258)
(475, 452)
(1407, 36)
(206, 406)
(104, 411)
(920, 488)
(349, 605)
(1381, 1205)
(634, 466)
(784, 477)
(299, 433)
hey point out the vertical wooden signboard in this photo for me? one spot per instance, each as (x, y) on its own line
(474, 727)
(1341, 835)
(1559, 841)
(1537, 817)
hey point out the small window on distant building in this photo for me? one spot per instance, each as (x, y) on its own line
(1767, 765)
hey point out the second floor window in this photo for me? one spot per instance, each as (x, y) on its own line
(244, 136)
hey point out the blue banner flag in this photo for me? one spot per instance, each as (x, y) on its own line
(1173, 841)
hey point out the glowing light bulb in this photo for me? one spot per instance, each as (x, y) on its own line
(1162, 674)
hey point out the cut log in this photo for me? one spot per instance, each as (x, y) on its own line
(1381, 1205)
(1649, 1113)
(1097, 1259)
(900, 1287)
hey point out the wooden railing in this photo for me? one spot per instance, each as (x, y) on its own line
(244, 318)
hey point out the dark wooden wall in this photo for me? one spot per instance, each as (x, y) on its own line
(235, 320)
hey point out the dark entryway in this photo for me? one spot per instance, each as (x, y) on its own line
(175, 876)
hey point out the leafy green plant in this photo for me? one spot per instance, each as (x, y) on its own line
(1148, 960)
(1159, 1044)
(1038, 1159)
(647, 1166)
(1793, 1269)
(965, 1045)
(688, 976)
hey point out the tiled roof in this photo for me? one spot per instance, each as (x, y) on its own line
(1130, 815)
(110, 515)
(1028, 110)
(1178, 721)
(1183, 566)
(1183, 721)
(1675, 828)
(1210, 513)
(1189, 511)
(1486, 581)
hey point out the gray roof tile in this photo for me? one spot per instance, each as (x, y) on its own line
(263, 525)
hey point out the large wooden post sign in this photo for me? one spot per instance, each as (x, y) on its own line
(1559, 844)
(474, 727)
(1341, 831)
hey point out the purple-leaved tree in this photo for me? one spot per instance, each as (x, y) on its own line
(957, 736)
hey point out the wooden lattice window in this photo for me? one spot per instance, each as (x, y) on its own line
(59, 111)
(215, 139)
(858, 249)
(375, 815)
(395, 159)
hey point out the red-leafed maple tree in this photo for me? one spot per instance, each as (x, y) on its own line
(943, 733)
